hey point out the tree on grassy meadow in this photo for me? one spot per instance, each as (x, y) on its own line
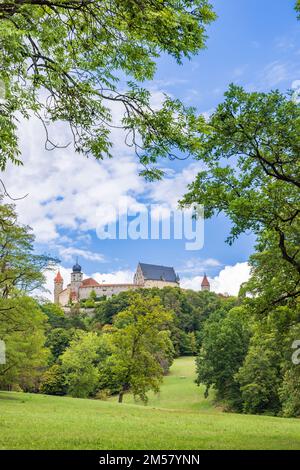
(21, 270)
(290, 386)
(224, 347)
(261, 377)
(140, 346)
(63, 60)
(80, 363)
(24, 337)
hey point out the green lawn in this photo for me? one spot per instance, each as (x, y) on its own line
(179, 418)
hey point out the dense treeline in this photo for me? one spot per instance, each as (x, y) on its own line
(129, 341)
(250, 361)
(252, 174)
(190, 310)
(126, 344)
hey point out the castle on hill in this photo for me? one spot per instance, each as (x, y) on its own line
(146, 276)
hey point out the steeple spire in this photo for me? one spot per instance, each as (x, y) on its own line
(58, 278)
(205, 285)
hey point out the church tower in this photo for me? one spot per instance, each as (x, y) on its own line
(205, 285)
(76, 280)
(58, 287)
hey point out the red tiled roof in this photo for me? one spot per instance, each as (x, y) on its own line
(89, 282)
(205, 282)
(58, 277)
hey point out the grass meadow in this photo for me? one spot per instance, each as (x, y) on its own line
(177, 418)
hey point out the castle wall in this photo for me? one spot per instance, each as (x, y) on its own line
(160, 284)
(138, 277)
(105, 290)
(64, 297)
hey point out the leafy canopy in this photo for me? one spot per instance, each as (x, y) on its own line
(252, 174)
(21, 270)
(22, 330)
(79, 364)
(68, 60)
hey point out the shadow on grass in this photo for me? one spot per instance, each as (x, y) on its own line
(7, 396)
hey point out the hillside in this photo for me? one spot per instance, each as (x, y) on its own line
(178, 418)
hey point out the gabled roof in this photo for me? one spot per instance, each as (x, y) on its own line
(89, 282)
(152, 272)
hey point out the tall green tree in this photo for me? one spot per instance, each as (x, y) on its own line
(224, 348)
(58, 340)
(21, 270)
(26, 354)
(252, 174)
(266, 371)
(140, 343)
(64, 59)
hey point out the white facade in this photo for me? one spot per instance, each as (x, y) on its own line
(146, 276)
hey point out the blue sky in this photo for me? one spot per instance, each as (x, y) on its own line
(254, 43)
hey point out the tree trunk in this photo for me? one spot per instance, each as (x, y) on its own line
(120, 400)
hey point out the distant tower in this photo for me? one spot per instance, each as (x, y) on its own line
(76, 280)
(58, 287)
(205, 285)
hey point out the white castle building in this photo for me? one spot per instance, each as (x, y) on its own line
(146, 276)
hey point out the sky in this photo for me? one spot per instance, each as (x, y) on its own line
(253, 43)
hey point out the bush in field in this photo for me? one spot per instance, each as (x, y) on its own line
(54, 381)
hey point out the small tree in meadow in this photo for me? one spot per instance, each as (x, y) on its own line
(79, 363)
(139, 343)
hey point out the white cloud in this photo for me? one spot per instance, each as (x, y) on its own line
(198, 266)
(116, 277)
(207, 114)
(286, 42)
(69, 254)
(66, 189)
(228, 281)
(174, 185)
(275, 73)
(296, 88)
